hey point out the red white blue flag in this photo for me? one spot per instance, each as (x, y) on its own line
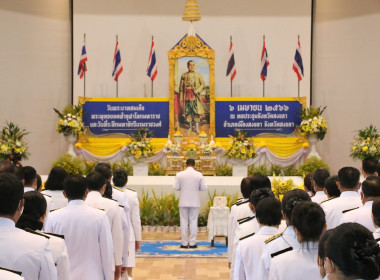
(151, 70)
(82, 63)
(264, 63)
(297, 64)
(117, 66)
(231, 68)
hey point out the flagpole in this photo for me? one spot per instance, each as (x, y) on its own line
(117, 81)
(298, 79)
(151, 78)
(84, 72)
(231, 74)
(264, 80)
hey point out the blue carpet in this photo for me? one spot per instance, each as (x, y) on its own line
(171, 249)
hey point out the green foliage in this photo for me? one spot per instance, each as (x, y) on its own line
(261, 169)
(141, 134)
(89, 166)
(202, 219)
(289, 171)
(369, 132)
(311, 112)
(161, 212)
(172, 205)
(124, 164)
(146, 209)
(72, 165)
(155, 169)
(275, 169)
(310, 165)
(223, 170)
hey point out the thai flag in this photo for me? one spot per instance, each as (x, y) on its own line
(264, 63)
(297, 64)
(231, 68)
(82, 63)
(151, 70)
(117, 67)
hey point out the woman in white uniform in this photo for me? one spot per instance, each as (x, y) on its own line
(352, 253)
(54, 188)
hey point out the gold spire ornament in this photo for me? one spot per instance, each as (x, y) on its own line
(192, 12)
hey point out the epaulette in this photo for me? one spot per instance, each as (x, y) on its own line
(55, 234)
(111, 199)
(247, 236)
(241, 202)
(281, 252)
(10, 270)
(54, 209)
(100, 209)
(328, 199)
(46, 195)
(122, 206)
(246, 220)
(377, 239)
(37, 233)
(348, 210)
(118, 189)
(131, 189)
(242, 219)
(272, 238)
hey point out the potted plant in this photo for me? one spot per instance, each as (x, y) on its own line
(12, 143)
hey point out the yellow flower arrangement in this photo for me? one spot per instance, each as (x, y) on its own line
(140, 146)
(366, 144)
(12, 142)
(70, 121)
(241, 146)
(313, 123)
(279, 187)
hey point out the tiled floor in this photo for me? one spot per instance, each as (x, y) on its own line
(179, 268)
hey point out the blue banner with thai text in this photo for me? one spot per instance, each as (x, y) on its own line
(126, 117)
(272, 116)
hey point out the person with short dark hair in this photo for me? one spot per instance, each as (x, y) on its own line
(352, 253)
(362, 215)
(369, 167)
(20, 250)
(39, 183)
(249, 249)
(32, 219)
(54, 187)
(318, 180)
(87, 233)
(322, 252)
(376, 219)
(348, 184)
(331, 188)
(30, 179)
(287, 240)
(307, 185)
(259, 181)
(309, 223)
(189, 182)
(6, 166)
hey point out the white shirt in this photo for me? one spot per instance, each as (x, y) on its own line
(88, 239)
(58, 199)
(95, 199)
(7, 275)
(362, 216)
(296, 264)
(248, 254)
(319, 197)
(25, 252)
(189, 182)
(286, 240)
(333, 208)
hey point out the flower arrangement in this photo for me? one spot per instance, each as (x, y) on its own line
(173, 148)
(209, 148)
(366, 144)
(140, 146)
(12, 142)
(191, 150)
(241, 146)
(279, 187)
(70, 120)
(313, 122)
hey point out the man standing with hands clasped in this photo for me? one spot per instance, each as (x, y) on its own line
(189, 182)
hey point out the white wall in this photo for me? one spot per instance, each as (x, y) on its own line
(35, 72)
(346, 73)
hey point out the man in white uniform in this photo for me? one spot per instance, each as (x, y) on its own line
(7, 274)
(318, 180)
(20, 250)
(96, 185)
(369, 168)
(189, 182)
(348, 184)
(87, 233)
(362, 215)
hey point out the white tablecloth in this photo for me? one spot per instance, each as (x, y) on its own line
(218, 222)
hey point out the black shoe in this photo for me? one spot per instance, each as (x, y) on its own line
(183, 247)
(193, 246)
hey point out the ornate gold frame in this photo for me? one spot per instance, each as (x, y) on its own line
(191, 46)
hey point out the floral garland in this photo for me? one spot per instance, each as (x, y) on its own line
(313, 122)
(241, 146)
(366, 144)
(140, 146)
(12, 142)
(70, 121)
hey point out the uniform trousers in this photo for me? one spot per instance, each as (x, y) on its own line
(189, 218)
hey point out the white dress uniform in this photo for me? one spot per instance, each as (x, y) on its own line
(376, 235)
(189, 182)
(88, 239)
(361, 215)
(10, 274)
(239, 211)
(296, 264)
(95, 199)
(57, 197)
(25, 252)
(319, 197)
(248, 253)
(134, 221)
(277, 244)
(58, 249)
(334, 207)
